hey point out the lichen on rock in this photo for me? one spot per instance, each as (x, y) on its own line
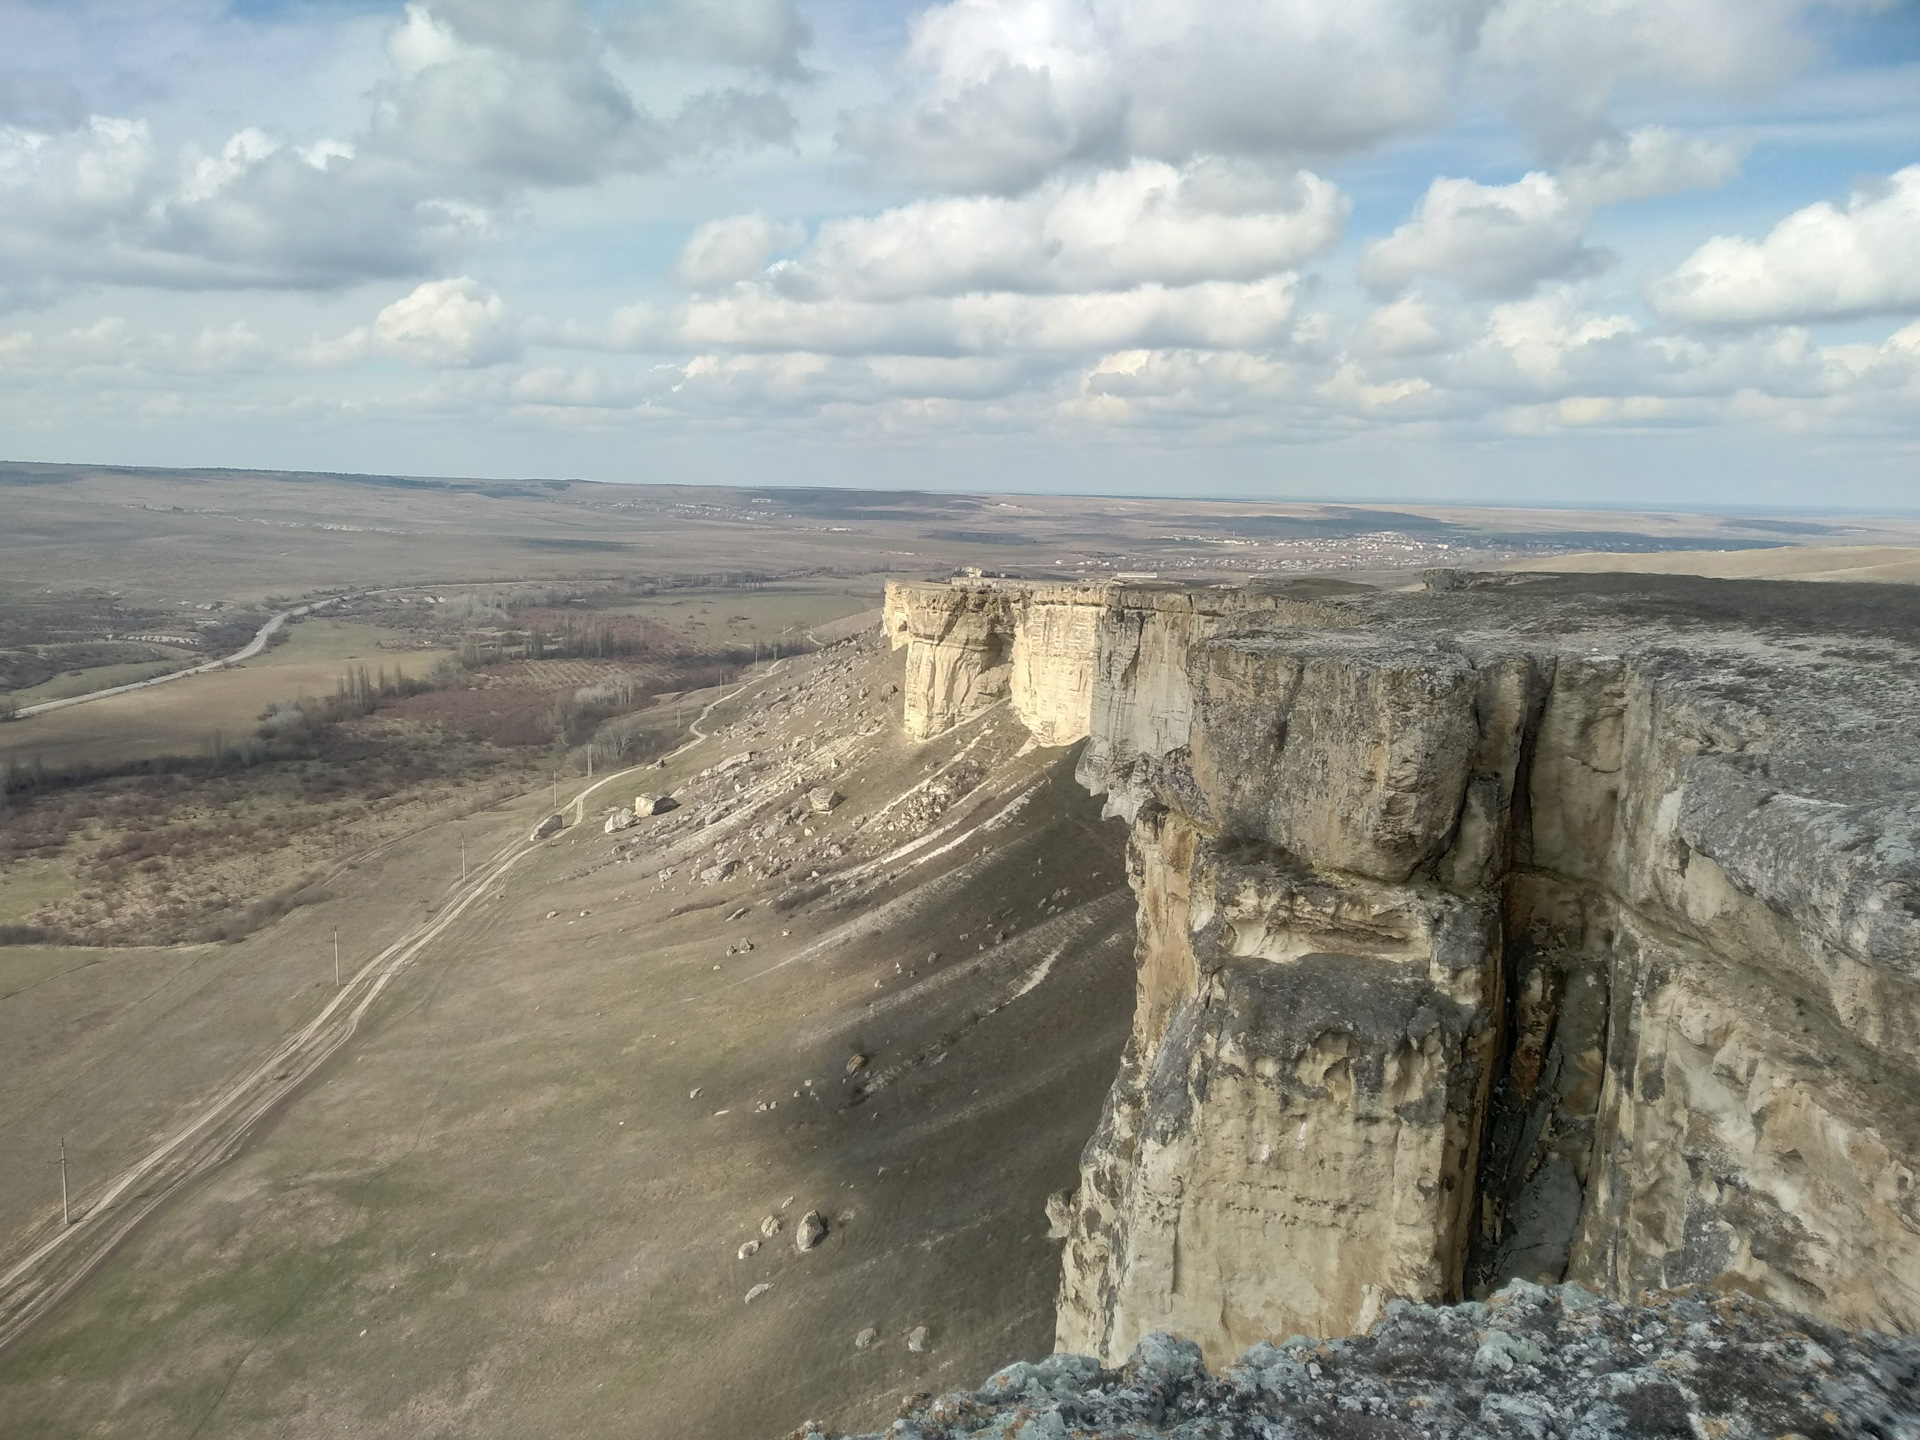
(1533, 1361)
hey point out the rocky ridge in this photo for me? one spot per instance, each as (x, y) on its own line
(1533, 1362)
(1535, 927)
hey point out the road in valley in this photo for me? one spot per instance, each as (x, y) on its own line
(252, 648)
(51, 1261)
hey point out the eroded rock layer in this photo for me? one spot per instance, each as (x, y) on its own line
(1536, 927)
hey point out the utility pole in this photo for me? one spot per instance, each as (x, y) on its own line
(556, 789)
(336, 957)
(463, 857)
(66, 1211)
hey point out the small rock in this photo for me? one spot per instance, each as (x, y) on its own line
(553, 914)
(737, 914)
(917, 1340)
(770, 1226)
(811, 1230)
(714, 874)
(824, 799)
(864, 1340)
(694, 1094)
(750, 1248)
(854, 1062)
(757, 1291)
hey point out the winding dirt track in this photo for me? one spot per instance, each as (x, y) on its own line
(53, 1261)
(252, 648)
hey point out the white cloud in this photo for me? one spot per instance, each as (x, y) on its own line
(1819, 263)
(1652, 160)
(1570, 58)
(1215, 314)
(1547, 337)
(1006, 91)
(764, 35)
(487, 97)
(1001, 93)
(1490, 240)
(1148, 223)
(1411, 325)
(735, 248)
(448, 323)
(520, 90)
(103, 202)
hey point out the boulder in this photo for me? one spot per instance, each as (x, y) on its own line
(621, 819)
(810, 1232)
(823, 800)
(654, 804)
(549, 826)
(714, 874)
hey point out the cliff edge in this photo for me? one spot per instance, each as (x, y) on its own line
(1524, 927)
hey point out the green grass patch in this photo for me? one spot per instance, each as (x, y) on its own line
(100, 677)
(26, 889)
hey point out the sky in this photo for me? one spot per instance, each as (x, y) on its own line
(1554, 252)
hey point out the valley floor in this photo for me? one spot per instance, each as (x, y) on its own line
(515, 1204)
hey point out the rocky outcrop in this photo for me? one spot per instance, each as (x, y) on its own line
(1534, 1362)
(972, 643)
(1538, 928)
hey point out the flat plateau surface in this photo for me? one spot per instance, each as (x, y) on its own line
(1884, 564)
(514, 1204)
(166, 537)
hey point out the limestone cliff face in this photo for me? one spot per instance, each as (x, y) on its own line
(1511, 929)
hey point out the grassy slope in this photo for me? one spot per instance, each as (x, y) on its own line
(499, 1213)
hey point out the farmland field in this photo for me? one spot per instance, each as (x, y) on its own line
(187, 717)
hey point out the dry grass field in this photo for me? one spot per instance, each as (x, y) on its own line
(1884, 564)
(515, 1206)
(783, 612)
(191, 716)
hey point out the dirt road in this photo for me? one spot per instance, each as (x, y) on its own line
(252, 648)
(59, 1259)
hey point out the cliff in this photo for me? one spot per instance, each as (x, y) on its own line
(1524, 927)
